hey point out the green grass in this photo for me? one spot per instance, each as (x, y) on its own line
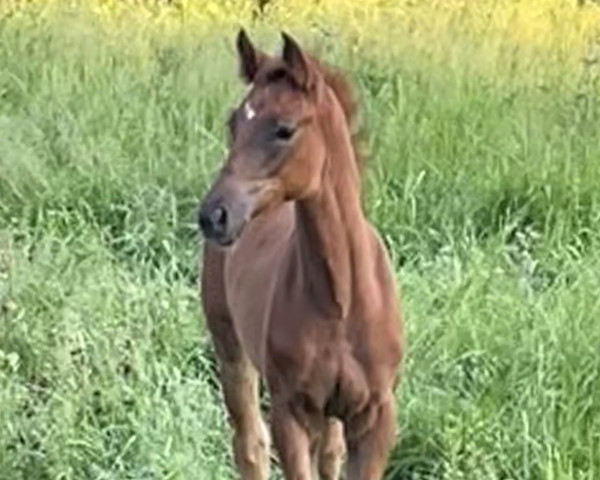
(486, 191)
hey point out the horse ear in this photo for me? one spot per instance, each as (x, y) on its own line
(250, 59)
(297, 62)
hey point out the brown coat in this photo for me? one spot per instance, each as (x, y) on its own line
(296, 285)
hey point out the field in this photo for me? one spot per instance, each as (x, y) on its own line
(482, 127)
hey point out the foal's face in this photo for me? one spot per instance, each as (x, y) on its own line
(277, 149)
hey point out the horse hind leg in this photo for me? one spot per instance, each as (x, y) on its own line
(332, 450)
(239, 379)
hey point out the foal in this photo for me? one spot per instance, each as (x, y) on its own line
(304, 294)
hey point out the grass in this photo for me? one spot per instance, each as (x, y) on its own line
(484, 145)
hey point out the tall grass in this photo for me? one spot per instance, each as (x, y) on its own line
(481, 121)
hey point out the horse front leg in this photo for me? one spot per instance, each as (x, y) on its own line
(250, 435)
(296, 444)
(369, 452)
(239, 379)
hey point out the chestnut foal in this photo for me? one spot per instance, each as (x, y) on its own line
(304, 294)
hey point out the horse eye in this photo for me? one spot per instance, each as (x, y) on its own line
(285, 131)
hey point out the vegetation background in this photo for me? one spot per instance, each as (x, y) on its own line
(482, 127)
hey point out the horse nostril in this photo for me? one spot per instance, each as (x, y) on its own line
(213, 221)
(218, 218)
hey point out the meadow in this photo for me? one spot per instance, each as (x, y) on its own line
(482, 131)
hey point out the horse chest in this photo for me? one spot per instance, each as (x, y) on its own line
(313, 360)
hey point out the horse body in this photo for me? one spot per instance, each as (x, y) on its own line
(303, 295)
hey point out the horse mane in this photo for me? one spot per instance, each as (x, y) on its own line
(344, 92)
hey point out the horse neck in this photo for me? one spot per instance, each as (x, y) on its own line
(333, 236)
